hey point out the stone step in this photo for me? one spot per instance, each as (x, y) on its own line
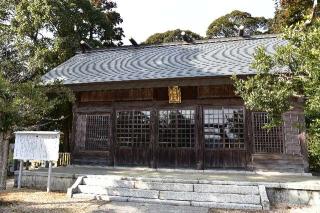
(227, 205)
(226, 189)
(270, 156)
(99, 197)
(171, 195)
(161, 186)
(170, 191)
(108, 182)
(210, 197)
(279, 167)
(169, 202)
(122, 192)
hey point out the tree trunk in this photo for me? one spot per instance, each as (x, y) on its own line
(4, 150)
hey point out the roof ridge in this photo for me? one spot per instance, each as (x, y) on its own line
(170, 44)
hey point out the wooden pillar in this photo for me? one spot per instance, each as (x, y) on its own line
(113, 137)
(200, 139)
(152, 147)
(249, 145)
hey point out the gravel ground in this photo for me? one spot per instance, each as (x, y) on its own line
(35, 201)
(28, 200)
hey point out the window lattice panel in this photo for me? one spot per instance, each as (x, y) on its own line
(224, 128)
(266, 140)
(176, 128)
(97, 132)
(133, 128)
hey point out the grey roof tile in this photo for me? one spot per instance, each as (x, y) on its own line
(219, 57)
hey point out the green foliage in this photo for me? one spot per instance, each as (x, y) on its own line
(227, 25)
(290, 12)
(314, 144)
(293, 72)
(171, 36)
(25, 104)
(37, 35)
(49, 32)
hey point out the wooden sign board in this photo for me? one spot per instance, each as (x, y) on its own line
(174, 93)
(36, 146)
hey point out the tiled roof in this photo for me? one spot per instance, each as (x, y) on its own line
(217, 57)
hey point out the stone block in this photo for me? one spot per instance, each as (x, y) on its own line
(140, 193)
(226, 205)
(74, 188)
(223, 182)
(158, 201)
(164, 186)
(87, 189)
(210, 197)
(226, 189)
(111, 183)
(264, 198)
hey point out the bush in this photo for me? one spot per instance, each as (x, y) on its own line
(314, 145)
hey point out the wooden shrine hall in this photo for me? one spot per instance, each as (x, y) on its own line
(174, 106)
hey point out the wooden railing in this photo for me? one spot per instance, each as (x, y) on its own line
(64, 159)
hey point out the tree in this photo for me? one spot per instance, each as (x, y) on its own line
(227, 25)
(293, 72)
(171, 36)
(49, 32)
(290, 12)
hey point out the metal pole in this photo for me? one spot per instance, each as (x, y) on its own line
(20, 174)
(49, 176)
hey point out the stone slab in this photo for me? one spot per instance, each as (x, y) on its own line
(158, 201)
(122, 192)
(227, 205)
(140, 193)
(264, 197)
(222, 182)
(210, 197)
(112, 183)
(226, 189)
(164, 186)
(161, 180)
(87, 189)
(74, 188)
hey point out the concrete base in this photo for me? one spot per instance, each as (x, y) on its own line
(293, 196)
(280, 188)
(59, 182)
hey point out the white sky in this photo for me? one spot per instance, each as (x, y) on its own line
(142, 18)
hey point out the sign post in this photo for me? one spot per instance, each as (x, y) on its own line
(20, 174)
(36, 145)
(49, 176)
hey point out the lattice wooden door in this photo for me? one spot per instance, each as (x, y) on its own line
(224, 137)
(97, 132)
(133, 136)
(176, 138)
(266, 140)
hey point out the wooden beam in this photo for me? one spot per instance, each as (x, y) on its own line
(152, 83)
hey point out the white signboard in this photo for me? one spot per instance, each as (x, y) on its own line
(36, 145)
